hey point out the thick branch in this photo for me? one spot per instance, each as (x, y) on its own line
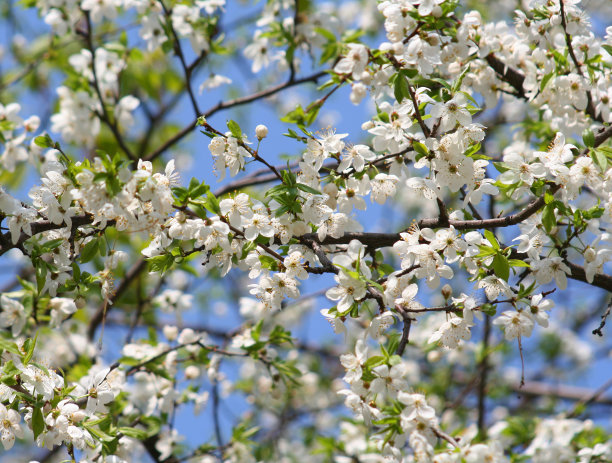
(508, 74)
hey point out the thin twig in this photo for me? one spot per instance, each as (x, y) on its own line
(604, 317)
(179, 52)
(105, 116)
(482, 383)
(231, 104)
(590, 399)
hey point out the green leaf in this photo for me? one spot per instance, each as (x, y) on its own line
(375, 284)
(308, 189)
(129, 361)
(161, 263)
(44, 141)
(41, 274)
(401, 88)
(501, 267)
(457, 84)
(420, 148)
(89, 251)
(29, 346)
(312, 111)
(135, 433)
(491, 237)
(518, 263)
(296, 116)
(38, 421)
(153, 423)
(52, 244)
(599, 158)
(548, 217)
(374, 361)
(235, 129)
(351, 273)
(545, 80)
(501, 168)
(588, 137)
(268, 262)
(212, 203)
(9, 346)
(325, 33)
(256, 331)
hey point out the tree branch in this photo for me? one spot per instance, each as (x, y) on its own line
(104, 308)
(231, 104)
(105, 116)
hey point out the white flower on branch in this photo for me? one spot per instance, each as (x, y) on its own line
(515, 324)
(347, 292)
(452, 332)
(13, 315)
(9, 427)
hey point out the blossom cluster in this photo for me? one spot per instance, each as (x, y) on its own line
(504, 224)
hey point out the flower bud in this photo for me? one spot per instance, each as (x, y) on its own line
(261, 131)
(80, 302)
(589, 254)
(192, 372)
(170, 332)
(446, 291)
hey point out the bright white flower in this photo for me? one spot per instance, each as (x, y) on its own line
(480, 453)
(9, 427)
(14, 153)
(214, 81)
(124, 109)
(353, 362)
(347, 292)
(166, 442)
(355, 156)
(61, 308)
(258, 224)
(575, 89)
(13, 315)
(390, 380)
(336, 322)
(451, 332)
(493, 286)
(174, 301)
(294, 267)
(354, 62)
(151, 30)
(550, 268)
(519, 169)
(539, 308)
(558, 153)
(99, 391)
(515, 324)
(100, 9)
(37, 382)
(383, 187)
(380, 323)
(407, 301)
(260, 51)
(416, 407)
(450, 114)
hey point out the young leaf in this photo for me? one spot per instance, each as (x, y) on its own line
(38, 421)
(235, 129)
